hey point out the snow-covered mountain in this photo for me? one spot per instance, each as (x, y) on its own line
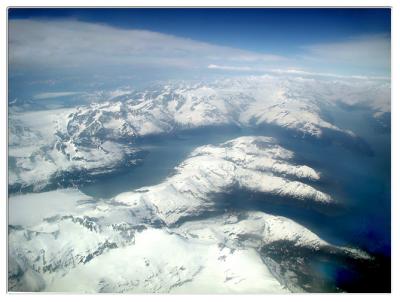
(43, 156)
(158, 238)
(253, 163)
(53, 148)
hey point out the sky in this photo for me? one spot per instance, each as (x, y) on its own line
(81, 48)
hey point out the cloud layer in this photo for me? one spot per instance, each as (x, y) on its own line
(52, 95)
(74, 47)
(370, 52)
(68, 44)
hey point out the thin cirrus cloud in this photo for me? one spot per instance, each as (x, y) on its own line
(70, 44)
(367, 53)
(65, 45)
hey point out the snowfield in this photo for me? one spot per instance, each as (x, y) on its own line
(66, 241)
(48, 148)
(253, 163)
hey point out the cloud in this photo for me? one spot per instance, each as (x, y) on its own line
(52, 95)
(368, 52)
(324, 74)
(68, 44)
(81, 55)
(233, 68)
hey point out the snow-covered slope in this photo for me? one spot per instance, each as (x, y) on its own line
(47, 148)
(42, 155)
(251, 163)
(109, 252)
(132, 243)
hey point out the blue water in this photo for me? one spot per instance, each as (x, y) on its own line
(164, 153)
(358, 180)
